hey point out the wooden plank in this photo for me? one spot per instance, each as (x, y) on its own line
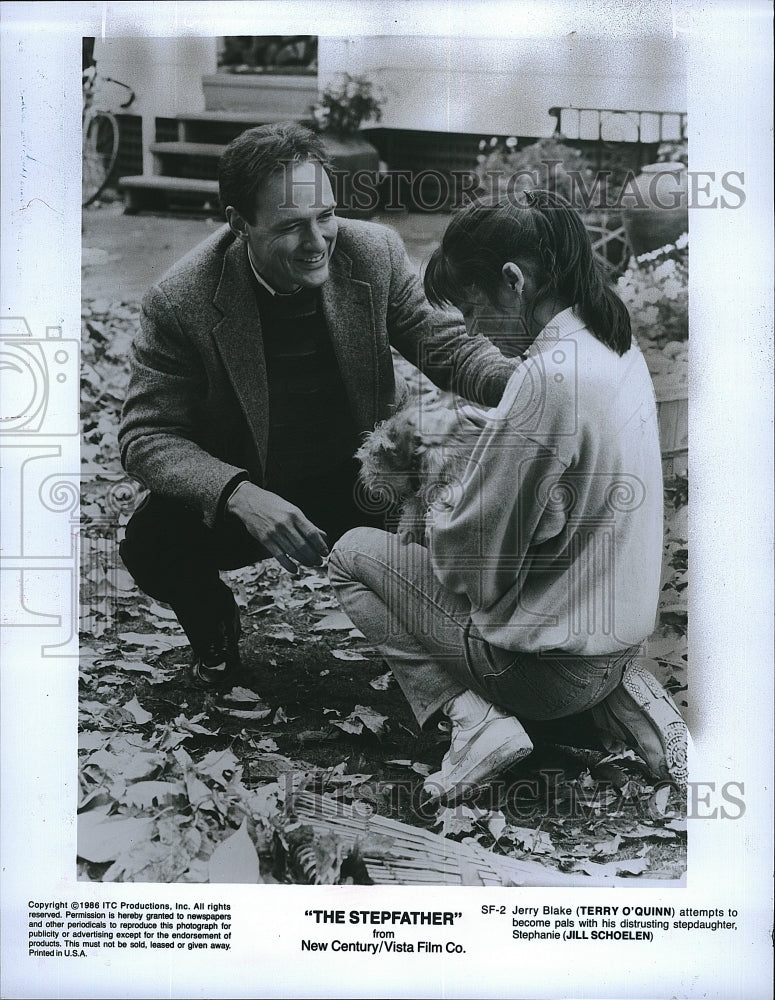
(157, 182)
(210, 149)
(236, 117)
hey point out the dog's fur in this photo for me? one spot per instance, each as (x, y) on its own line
(414, 459)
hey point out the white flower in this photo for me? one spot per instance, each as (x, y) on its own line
(672, 289)
(682, 242)
(663, 270)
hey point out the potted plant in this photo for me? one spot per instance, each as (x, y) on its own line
(658, 211)
(343, 107)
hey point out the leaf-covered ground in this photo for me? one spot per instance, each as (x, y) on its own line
(178, 784)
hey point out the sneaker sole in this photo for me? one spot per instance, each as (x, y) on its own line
(656, 703)
(494, 764)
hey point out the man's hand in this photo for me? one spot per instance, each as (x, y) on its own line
(280, 527)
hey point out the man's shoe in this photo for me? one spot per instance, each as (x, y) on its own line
(642, 714)
(478, 753)
(214, 664)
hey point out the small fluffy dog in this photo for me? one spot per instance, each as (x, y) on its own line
(415, 459)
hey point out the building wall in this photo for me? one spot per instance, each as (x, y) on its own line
(165, 74)
(505, 86)
(437, 84)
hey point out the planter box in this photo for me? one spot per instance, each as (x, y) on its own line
(267, 95)
(350, 156)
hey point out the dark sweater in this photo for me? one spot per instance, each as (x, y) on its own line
(311, 428)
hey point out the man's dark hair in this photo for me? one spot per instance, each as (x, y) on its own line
(254, 155)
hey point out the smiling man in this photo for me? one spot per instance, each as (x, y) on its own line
(263, 356)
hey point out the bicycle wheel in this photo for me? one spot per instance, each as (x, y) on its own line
(99, 152)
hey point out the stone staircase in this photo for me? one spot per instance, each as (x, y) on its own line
(185, 171)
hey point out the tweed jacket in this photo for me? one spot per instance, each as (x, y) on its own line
(195, 420)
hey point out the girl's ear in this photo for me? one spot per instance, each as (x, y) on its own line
(513, 276)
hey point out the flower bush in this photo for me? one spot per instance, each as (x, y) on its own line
(505, 168)
(655, 290)
(674, 152)
(344, 106)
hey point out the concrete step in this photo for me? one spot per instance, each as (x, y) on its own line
(223, 126)
(209, 149)
(155, 191)
(237, 117)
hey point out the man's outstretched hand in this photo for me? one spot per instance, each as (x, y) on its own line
(279, 526)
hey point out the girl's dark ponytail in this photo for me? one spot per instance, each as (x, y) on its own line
(574, 273)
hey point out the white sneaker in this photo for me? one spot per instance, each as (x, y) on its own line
(479, 752)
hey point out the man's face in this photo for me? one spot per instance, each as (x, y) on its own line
(294, 230)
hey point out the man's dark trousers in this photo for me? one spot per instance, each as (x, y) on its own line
(175, 558)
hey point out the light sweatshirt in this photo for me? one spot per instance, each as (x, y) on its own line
(555, 534)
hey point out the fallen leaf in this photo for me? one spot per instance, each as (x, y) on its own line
(608, 847)
(234, 860)
(134, 667)
(634, 866)
(138, 712)
(348, 726)
(455, 821)
(91, 741)
(199, 795)
(329, 602)
(349, 654)
(153, 641)
(105, 839)
(217, 764)
(160, 612)
(642, 832)
(496, 824)
(383, 682)
(417, 766)
(281, 633)
(144, 794)
(266, 745)
(532, 841)
(271, 765)
(99, 797)
(362, 716)
(192, 727)
(122, 581)
(658, 801)
(280, 716)
(170, 739)
(337, 622)
(241, 695)
(251, 715)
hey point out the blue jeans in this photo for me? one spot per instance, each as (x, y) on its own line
(426, 635)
